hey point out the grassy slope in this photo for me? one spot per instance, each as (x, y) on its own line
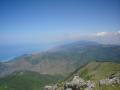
(34, 81)
(27, 81)
(99, 70)
(95, 71)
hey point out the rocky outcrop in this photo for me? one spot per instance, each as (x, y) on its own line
(47, 87)
(110, 81)
(78, 83)
(90, 85)
(50, 87)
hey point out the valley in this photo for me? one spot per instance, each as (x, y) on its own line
(89, 60)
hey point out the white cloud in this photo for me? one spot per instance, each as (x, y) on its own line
(119, 32)
(101, 34)
(38, 38)
(107, 37)
(107, 34)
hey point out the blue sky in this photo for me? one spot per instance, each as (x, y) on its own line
(32, 25)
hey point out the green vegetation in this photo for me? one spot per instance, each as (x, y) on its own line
(99, 70)
(63, 59)
(27, 81)
(96, 71)
(107, 87)
(79, 53)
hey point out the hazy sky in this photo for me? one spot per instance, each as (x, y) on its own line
(33, 25)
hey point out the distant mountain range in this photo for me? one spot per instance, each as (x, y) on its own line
(63, 59)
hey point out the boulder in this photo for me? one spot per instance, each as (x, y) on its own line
(76, 84)
(47, 87)
(110, 81)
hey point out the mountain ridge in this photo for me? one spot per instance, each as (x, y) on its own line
(64, 58)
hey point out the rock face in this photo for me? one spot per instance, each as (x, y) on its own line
(90, 85)
(49, 87)
(109, 81)
(78, 83)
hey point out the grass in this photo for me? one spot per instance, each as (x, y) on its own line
(96, 71)
(107, 87)
(100, 70)
(27, 81)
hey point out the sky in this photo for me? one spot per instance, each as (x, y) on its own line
(28, 26)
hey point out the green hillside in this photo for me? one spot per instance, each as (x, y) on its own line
(61, 60)
(99, 70)
(96, 71)
(64, 59)
(27, 81)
